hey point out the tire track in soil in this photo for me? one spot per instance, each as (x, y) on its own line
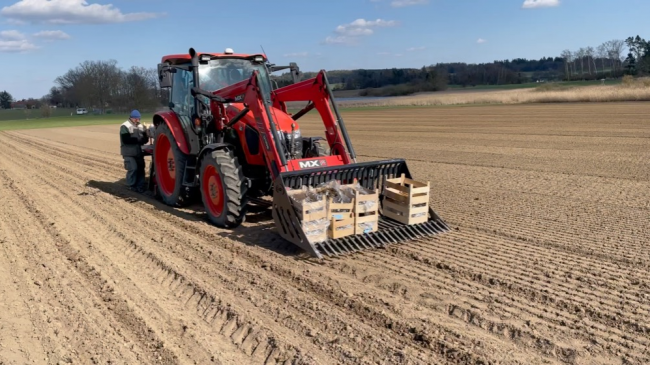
(90, 241)
(55, 294)
(499, 302)
(232, 321)
(19, 328)
(416, 336)
(116, 306)
(440, 346)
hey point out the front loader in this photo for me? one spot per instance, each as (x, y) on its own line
(228, 137)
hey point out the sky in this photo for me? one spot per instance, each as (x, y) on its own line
(43, 39)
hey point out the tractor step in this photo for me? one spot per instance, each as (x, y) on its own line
(370, 175)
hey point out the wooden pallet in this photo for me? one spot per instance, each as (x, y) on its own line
(406, 200)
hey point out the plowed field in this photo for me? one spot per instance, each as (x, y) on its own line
(547, 261)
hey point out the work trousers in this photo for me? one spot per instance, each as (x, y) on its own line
(135, 172)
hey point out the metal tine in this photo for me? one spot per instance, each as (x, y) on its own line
(327, 250)
(388, 239)
(341, 243)
(353, 244)
(437, 224)
(398, 233)
(333, 249)
(425, 228)
(360, 240)
(337, 245)
(349, 242)
(413, 230)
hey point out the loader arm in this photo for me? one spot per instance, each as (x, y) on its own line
(249, 93)
(317, 91)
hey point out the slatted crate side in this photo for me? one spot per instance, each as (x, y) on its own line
(341, 218)
(312, 215)
(406, 200)
(339, 210)
(341, 227)
(405, 186)
(366, 217)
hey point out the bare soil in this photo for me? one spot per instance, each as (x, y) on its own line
(547, 262)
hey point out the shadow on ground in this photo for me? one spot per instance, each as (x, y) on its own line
(257, 231)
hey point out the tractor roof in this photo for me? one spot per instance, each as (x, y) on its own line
(185, 57)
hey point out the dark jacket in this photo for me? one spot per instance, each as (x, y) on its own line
(132, 137)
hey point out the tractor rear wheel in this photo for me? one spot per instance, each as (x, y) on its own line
(223, 188)
(169, 165)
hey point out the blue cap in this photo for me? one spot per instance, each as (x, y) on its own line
(135, 114)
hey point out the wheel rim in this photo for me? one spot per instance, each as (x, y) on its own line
(165, 165)
(212, 190)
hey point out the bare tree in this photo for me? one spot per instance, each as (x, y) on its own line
(589, 52)
(568, 58)
(581, 55)
(601, 53)
(615, 51)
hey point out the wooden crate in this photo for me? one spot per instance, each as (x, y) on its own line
(340, 216)
(340, 227)
(339, 211)
(312, 215)
(406, 200)
(366, 217)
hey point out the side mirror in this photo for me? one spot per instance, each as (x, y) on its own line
(165, 75)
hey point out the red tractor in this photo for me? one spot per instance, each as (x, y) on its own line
(229, 138)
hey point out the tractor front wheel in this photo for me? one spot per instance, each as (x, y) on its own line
(223, 188)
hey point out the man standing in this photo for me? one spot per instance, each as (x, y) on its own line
(132, 137)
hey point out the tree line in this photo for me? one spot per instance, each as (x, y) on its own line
(103, 86)
(586, 63)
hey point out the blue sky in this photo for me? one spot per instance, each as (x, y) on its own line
(42, 39)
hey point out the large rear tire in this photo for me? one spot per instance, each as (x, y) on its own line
(169, 163)
(223, 188)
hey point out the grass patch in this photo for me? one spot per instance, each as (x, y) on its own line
(67, 121)
(28, 114)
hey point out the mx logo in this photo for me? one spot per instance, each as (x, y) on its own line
(312, 164)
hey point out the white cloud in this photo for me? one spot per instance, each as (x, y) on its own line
(413, 49)
(12, 41)
(363, 27)
(481, 41)
(349, 33)
(403, 3)
(52, 34)
(531, 4)
(301, 55)
(16, 46)
(68, 12)
(11, 35)
(340, 40)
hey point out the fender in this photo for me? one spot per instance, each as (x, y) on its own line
(170, 118)
(209, 148)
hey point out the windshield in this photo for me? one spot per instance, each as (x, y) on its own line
(223, 72)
